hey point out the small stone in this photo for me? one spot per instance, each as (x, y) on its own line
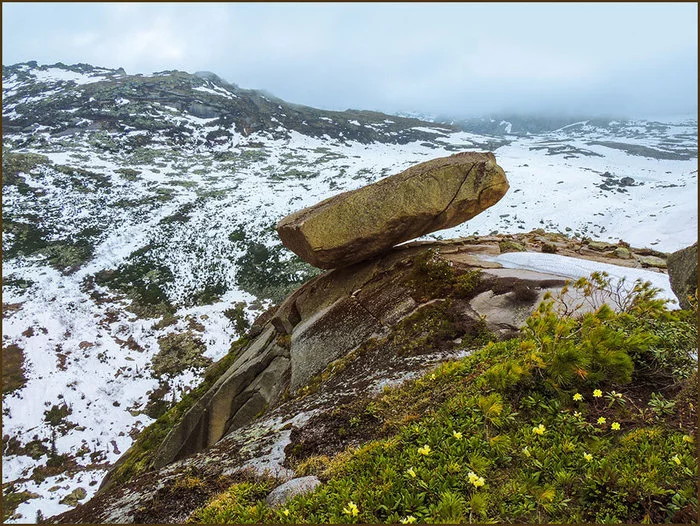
(652, 261)
(281, 494)
(74, 497)
(599, 245)
(622, 253)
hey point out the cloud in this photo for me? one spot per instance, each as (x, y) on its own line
(447, 58)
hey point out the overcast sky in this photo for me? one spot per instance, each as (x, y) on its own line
(454, 59)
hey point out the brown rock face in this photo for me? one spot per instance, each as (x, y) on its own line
(360, 224)
(683, 273)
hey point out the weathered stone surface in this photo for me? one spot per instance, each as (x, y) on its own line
(281, 494)
(252, 382)
(683, 273)
(513, 297)
(622, 253)
(356, 225)
(652, 261)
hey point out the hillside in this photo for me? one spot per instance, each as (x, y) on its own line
(420, 398)
(138, 234)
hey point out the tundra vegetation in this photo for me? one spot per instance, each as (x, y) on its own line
(583, 417)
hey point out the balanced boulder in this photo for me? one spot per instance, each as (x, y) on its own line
(360, 224)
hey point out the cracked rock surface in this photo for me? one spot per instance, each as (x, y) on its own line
(360, 224)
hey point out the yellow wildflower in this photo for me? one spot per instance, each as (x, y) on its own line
(408, 520)
(688, 438)
(538, 430)
(526, 452)
(597, 393)
(473, 477)
(351, 509)
(433, 377)
(615, 426)
(578, 397)
(286, 512)
(457, 435)
(588, 457)
(425, 450)
(676, 459)
(577, 414)
(601, 420)
(411, 473)
(479, 482)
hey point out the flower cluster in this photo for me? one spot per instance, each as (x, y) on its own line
(475, 479)
(351, 509)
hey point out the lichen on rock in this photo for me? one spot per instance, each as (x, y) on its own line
(360, 224)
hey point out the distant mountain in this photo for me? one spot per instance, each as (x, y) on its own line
(69, 99)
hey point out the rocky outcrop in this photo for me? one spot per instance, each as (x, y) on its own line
(360, 224)
(254, 381)
(683, 273)
(327, 319)
(341, 337)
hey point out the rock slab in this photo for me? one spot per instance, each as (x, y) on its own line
(683, 273)
(363, 223)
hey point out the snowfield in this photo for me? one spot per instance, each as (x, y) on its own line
(574, 268)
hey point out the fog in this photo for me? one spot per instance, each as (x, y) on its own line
(626, 60)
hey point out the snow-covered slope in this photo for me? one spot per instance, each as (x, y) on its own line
(138, 233)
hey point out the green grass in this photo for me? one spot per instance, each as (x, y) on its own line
(565, 423)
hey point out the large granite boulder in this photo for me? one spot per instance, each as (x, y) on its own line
(683, 273)
(357, 225)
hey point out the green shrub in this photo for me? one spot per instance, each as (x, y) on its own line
(178, 352)
(510, 246)
(434, 277)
